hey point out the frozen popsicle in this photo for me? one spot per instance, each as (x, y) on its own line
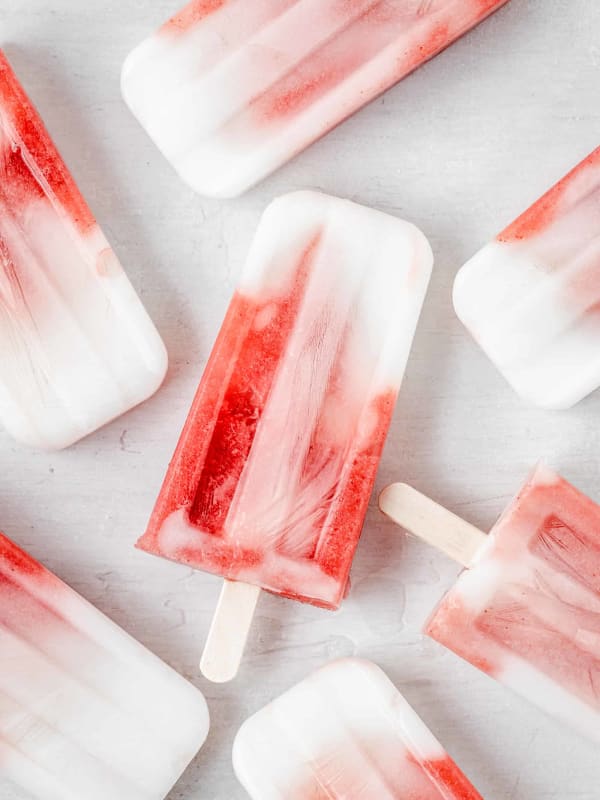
(531, 298)
(527, 609)
(230, 90)
(76, 345)
(344, 733)
(272, 475)
(86, 712)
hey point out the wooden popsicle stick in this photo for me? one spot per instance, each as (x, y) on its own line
(431, 522)
(229, 630)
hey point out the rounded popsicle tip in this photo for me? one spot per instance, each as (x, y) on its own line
(127, 82)
(53, 427)
(305, 207)
(479, 288)
(241, 758)
(562, 397)
(310, 208)
(200, 162)
(462, 293)
(132, 71)
(156, 362)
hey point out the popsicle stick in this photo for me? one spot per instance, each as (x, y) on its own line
(431, 522)
(229, 630)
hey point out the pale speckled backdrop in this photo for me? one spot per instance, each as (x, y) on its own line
(459, 148)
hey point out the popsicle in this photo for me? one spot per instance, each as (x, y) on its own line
(272, 475)
(77, 347)
(344, 733)
(531, 298)
(527, 609)
(230, 90)
(86, 712)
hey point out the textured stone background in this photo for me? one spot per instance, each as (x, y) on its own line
(459, 148)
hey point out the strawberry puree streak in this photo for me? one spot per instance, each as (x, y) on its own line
(30, 165)
(14, 561)
(191, 14)
(376, 29)
(451, 782)
(257, 352)
(397, 774)
(544, 212)
(27, 594)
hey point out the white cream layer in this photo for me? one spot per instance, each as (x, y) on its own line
(189, 88)
(86, 712)
(346, 729)
(533, 305)
(77, 348)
